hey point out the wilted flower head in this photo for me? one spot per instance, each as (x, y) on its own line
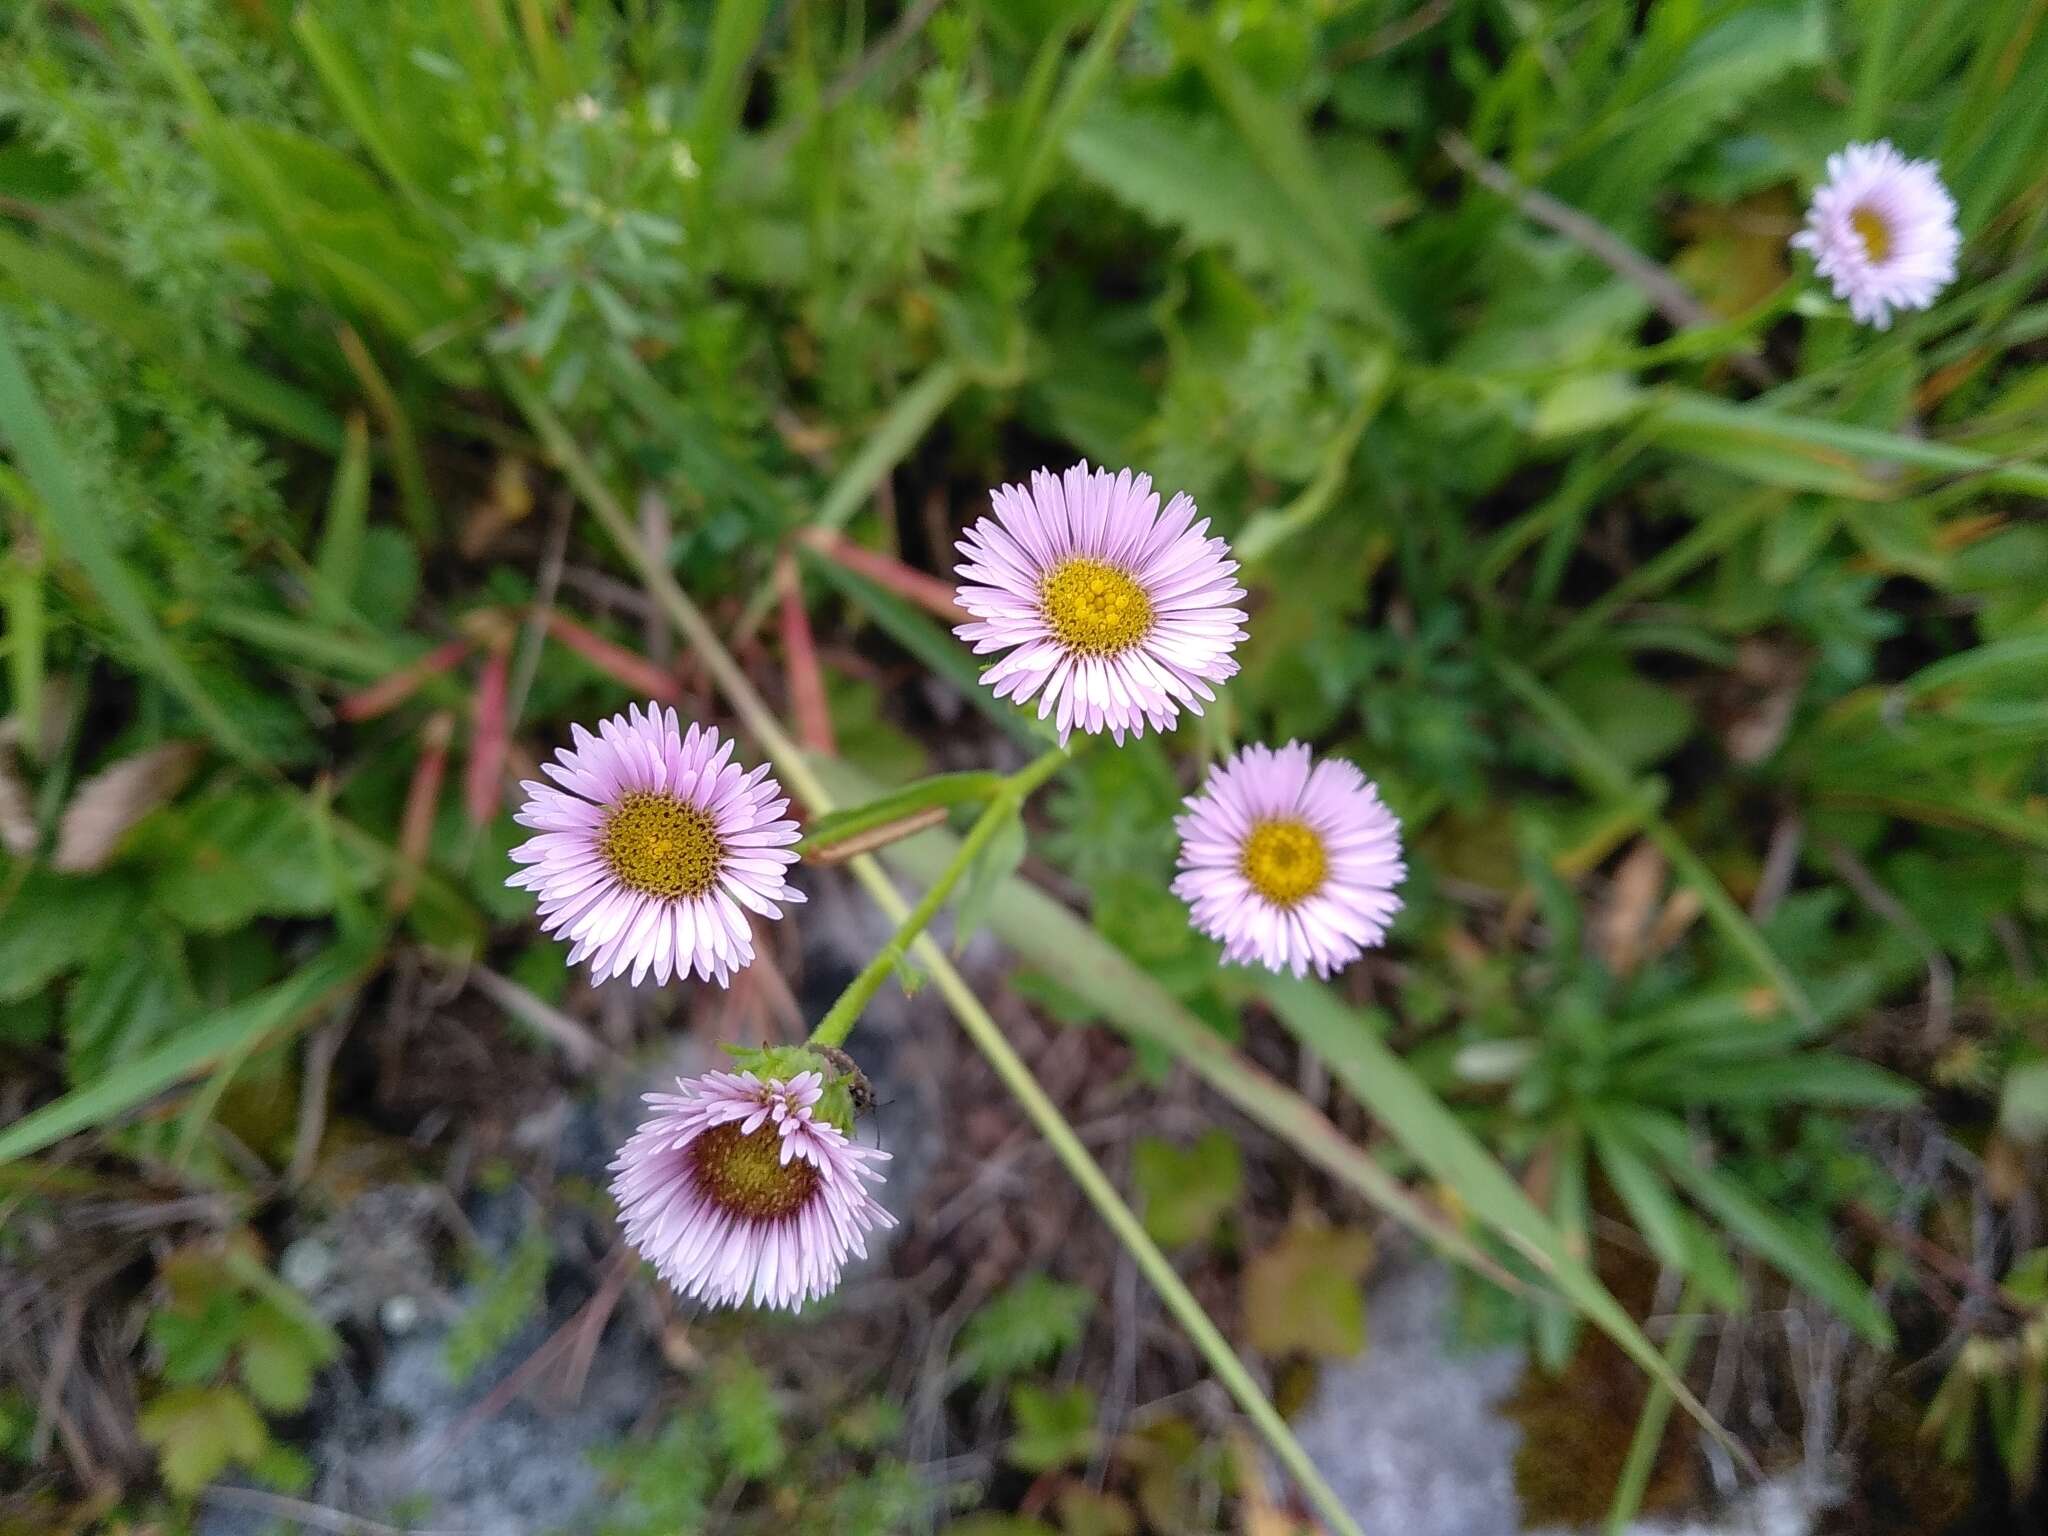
(737, 1190)
(1883, 228)
(652, 845)
(1115, 614)
(1290, 862)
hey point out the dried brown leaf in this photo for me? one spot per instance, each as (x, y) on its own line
(113, 800)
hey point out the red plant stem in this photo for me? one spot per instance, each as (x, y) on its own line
(800, 658)
(422, 800)
(639, 675)
(490, 738)
(394, 688)
(925, 590)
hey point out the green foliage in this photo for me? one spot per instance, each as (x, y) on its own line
(1185, 1192)
(1022, 1327)
(1054, 1428)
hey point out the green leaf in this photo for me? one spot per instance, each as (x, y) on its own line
(1657, 1215)
(194, 1049)
(1802, 1255)
(1807, 1078)
(1439, 1141)
(1636, 720)
(232, 857)
(199, 1432)
(749, 1420)
(278, 1360)
(58, 922)
(130, 996)
(1054, 1428)
(1302, 1295)
(941, 789)
(1183, 1193)
(1022, 1327)
(339, 556)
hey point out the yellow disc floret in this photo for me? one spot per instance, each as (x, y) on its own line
(1094, 608)
(660, 845)
(1871, 228)
(745, 1174)
(1284, 861)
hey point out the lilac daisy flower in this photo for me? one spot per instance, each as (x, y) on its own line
(652, 845)
(1115, 614)
(1288, 861)
(1883, 228)
(735, 1191)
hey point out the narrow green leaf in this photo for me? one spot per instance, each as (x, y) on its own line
(340, 554)
(941, 789)
(1436, 1139)
(1831, 449)
(1800, 1255)
(41, 268)
(1650, 1205)
(735, 34)
(78, 530)
(192, 1050)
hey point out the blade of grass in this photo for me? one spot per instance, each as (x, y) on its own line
(1682, 416)
(735, 35)
(351, 95)
(1383, 1083)
(23, 599)
(193, 1049)
(403, 442)
(45, 271)
(339, 557)
(1034, 169)
(1603, 777)
(76, 529)
(1649, 1431)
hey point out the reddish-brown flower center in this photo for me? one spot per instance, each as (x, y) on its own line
(745, 1174)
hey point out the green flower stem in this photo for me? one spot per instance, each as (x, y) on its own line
(1008, 801)
(974, 1019)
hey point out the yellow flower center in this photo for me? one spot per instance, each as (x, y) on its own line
(745, 1174)
(661, 846)
(1094, 608)
(1284, 861)
(1872, 230)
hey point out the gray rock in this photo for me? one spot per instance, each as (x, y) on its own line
(1408, 1433)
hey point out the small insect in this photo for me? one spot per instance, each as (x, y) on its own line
(858, 1088)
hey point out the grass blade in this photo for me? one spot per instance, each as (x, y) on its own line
(193, 1049)
(76, 529)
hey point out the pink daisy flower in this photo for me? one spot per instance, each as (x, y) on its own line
(1290, 862)
(736, 1192)
(1883, 228)
(652, 845)
(1115, 614)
